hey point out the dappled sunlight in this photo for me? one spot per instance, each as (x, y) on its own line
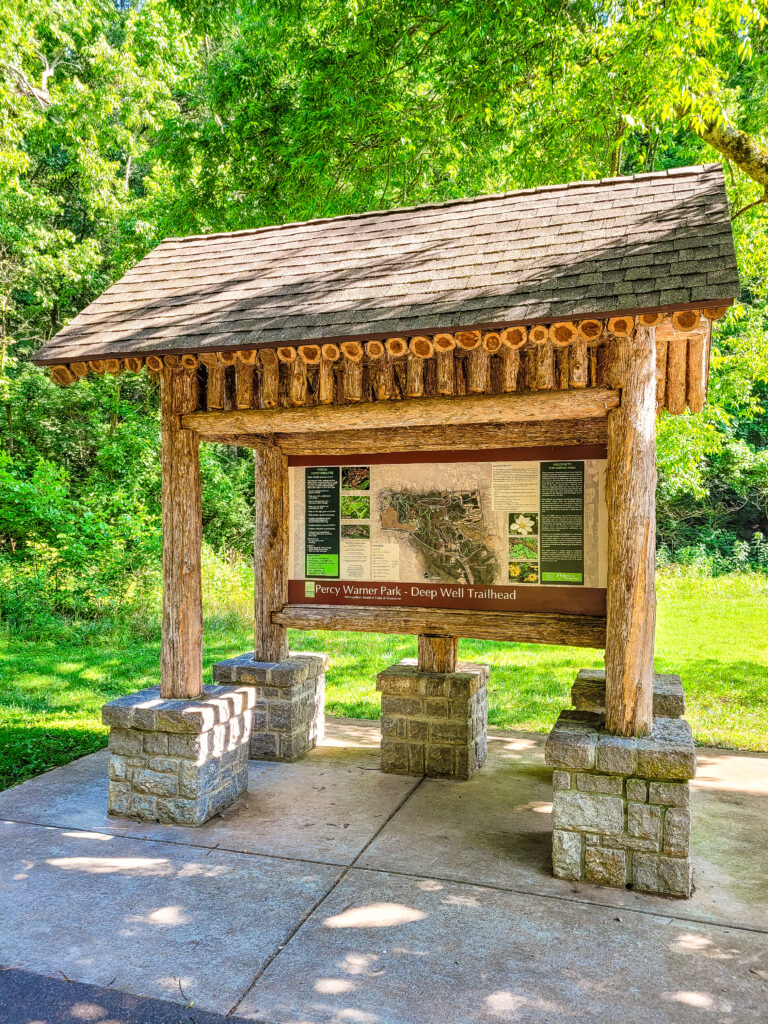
(513, 744)
(99, 836)
(701, 946)
(360, 964)
(86, 1011)
(537, 806)
(350, 1016)
(162, 916)
(457, 900)
(504, 1005)
(142, 866)
(732, 773)
(334, 986)
(699, 1001)
(375, 915)
(429, 885)
(175, 986)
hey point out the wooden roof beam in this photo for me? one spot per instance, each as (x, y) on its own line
(590, 403)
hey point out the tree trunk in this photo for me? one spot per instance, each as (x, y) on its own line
(438, 653)
(182, 641)
(270, 551)
(631, 499)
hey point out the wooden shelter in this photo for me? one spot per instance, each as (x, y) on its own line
(562, 315)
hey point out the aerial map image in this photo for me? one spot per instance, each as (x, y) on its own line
(447, 529)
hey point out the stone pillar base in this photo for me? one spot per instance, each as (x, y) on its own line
(289, 702)
(433, 723)
(178, 761)
(620, 810)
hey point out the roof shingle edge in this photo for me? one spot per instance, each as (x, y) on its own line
(672, 172)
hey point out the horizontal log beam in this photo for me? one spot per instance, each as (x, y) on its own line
(511, 627)
(592, 403)
(555, 433)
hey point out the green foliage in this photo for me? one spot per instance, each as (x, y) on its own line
(52, 686)
(124, 122)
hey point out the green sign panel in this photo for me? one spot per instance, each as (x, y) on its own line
(322, 521)
(562, 522)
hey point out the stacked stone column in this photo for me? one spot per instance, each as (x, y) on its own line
(620, 811)
(288, 702)
(433, 723)
(178, 761)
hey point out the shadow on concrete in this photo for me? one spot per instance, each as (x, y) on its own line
(26, 997)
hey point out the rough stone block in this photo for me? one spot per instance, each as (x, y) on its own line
(670, 876)
(125, 741)
(570, 746)
(289, 714)
(603, 866)
(677, 832)
(668, 753)
(637, 790)
(632, 804)
(438, 760)
(155, 742)
(156, 783)
(588, 693)
(264, 746)
(612, 785)
(588, 812)
(143, 805)
(119, 798)
(561, 780)
(644, 822)
(433, 723)
(566, 855)
(416, 729)
(394, 758)
(188, 771)
(615, 754)
(669, 794)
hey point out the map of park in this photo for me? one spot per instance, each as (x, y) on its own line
(446, 528)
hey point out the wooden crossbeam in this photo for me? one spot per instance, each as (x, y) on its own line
(592, 403)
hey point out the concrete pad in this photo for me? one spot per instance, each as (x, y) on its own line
(496, 830)
(325, 807)
(27, 998)
(148, 918)
(384, 949)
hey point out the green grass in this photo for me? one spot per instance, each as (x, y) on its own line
(713, 632)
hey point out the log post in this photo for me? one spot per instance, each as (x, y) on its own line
(437, 653)
(244, 368)
(444, 345)
(182, 643)
(631, 499)
(326, 385)
(352, 375)
(270, 551)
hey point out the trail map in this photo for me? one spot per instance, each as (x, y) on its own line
(486, 532)
(447, 528)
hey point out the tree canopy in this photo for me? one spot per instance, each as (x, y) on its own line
(124, 123)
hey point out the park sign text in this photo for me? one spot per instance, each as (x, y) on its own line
(509, 529)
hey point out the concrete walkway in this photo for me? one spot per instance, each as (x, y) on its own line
(337, 895)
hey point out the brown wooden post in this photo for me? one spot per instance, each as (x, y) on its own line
(270, 551)
(182, 643)
(438, 653)
(631, 497)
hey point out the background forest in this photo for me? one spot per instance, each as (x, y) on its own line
(123, 124)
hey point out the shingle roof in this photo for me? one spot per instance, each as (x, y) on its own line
(648, 242)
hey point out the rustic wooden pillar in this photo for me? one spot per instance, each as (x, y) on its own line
(631, 497)
(270, 551)
(438, 653)
(182, 644)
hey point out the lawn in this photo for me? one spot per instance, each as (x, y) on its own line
(713, 632)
